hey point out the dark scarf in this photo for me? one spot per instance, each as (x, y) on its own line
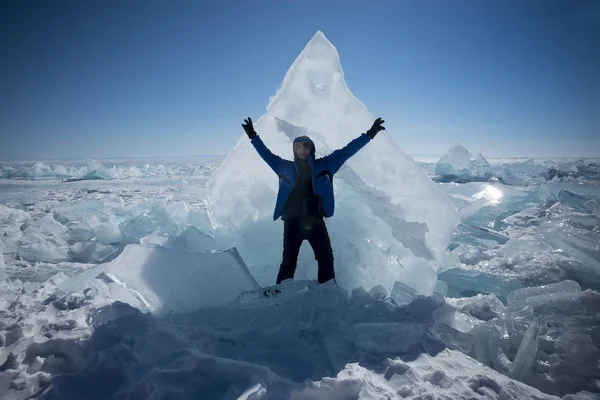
(302, 203)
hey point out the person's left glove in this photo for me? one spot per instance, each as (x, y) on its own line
(376, 128)
(249, 128)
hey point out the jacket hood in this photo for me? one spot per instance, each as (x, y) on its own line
(304, 139)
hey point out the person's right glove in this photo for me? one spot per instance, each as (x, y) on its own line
(249, 128)
(376, 128)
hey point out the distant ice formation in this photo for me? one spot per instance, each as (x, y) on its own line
(459, 164)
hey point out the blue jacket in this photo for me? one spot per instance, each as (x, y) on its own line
(323, 170)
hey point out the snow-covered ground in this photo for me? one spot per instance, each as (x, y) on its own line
(139, 278)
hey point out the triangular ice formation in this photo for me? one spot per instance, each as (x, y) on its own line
(391, 222)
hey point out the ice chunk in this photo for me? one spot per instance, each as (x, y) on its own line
(456, 161)
(47, 226)
(91, 251)
(566, 356)
(483, 307)
(59, 170)
(108, 233)
(40, 170)
(79, 231)
(378, 293)
(286, 289)
(531, 215)
(94, 212)
(194, 239)
(157, 239)
(2, 267)
(468, 282)
(402, 294)
(56, 279)
(168, 280)
(161, 217)
(481, 232)
(80, 280)
(448, 315)
(42, 240)
(481, 164)
(95, 170)
(574, 200)
(10, 221)
(32, 247)
(539, 295)
(526, 354)
(381, 229)
(458, 165)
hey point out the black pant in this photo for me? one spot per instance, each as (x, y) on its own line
(318, 237)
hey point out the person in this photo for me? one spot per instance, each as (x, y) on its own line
(306, 197)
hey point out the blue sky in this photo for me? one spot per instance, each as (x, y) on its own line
(176, 78)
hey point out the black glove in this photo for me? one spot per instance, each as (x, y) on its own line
(249, 128)
(376, 128)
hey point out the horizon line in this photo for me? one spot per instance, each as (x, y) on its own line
(223, 155)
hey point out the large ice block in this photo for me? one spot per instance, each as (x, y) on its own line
(180, 281)
(539, 295)
(390, 220)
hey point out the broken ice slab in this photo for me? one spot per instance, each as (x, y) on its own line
(162, 217)
(464, 282)
(448, 315)
(169, 280)
(472, 207)
(42, 248)
(79, 231)
(539, 295)
(92, 251)
(529, 216)
(527, 352)
(378, 293)
(579, 202)
(109, 233)
(402, 294)
(79, 281)
(454, 328)
(483, 307)
(453, 339)
(2, 267)
(194, 239)
(576, 242)
(567, 359)
(482, 233)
